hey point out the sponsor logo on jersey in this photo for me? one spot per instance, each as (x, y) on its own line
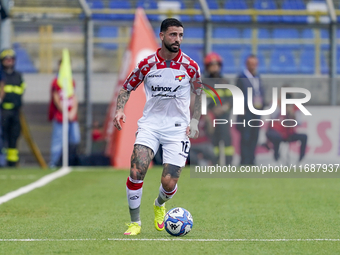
(163, 95)
(159, 88)
(180, 77)
(154, 76)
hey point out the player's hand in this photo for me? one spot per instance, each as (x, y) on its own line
(119, 115)
(192, 130)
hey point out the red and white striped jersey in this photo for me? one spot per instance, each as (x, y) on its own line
(167, 84)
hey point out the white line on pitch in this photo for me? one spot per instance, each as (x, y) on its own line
(37, 184)
(172, 239)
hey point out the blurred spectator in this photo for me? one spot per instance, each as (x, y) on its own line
(97, 132)
(11, 104)
(249, 78)
(56, 116)
(202, 150)
(278, 133)
(2, 94)
(213, 75)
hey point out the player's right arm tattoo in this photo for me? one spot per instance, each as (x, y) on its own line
(123, 97)
(197, 107)
(140, 161)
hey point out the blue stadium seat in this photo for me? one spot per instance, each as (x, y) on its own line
(24, 63)
(247, 33)
(266, 5)
(96, 4)
(229, 63)
(213, 5)
(120, 4)
(282, 62)
(194, 32)
(223, 32)
(285, 33)
(194, 51)
(294, 5)
(262, 49)
(184, 18)
(324, 33)
(307, 33)
(307, 60)
(263, 33)
(149, 5)
(108, 32)
(236, 5)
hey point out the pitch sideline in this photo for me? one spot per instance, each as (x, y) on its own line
(37, 184)
(172, 239)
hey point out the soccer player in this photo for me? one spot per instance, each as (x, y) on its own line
(169, 76)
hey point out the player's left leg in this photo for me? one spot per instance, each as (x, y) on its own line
(167, 190)
(175, 153)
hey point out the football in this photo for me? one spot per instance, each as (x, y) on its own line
(178, 221)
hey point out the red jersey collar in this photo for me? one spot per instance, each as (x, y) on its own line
(174, 59)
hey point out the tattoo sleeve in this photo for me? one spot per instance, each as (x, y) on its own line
(123, 97)
(140, 161)
(173, 171)
(197, 107)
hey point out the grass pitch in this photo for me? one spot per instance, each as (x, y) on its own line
(85, 212)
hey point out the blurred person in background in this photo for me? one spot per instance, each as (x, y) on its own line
(213, 75)
(278, 133)
(249, 78)
(56, 116)
(14, 87)
(2, 94)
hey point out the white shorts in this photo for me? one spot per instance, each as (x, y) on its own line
(175, 144)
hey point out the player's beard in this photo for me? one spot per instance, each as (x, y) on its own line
(170, 47)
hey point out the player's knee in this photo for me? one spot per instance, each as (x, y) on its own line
(168, 184)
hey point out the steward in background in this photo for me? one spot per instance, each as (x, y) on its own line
(14, 87)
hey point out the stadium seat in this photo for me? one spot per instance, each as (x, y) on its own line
(236, 5)
(282, 62)
(194, 51)
(263, 33)
(213, 5)
(229, 63)
(307, 33)
(223, 32)
(149, 5)
(96, 4)
(324, 33)
(108, 32)
(247, 33)
(184, 18)
(307, 60)
(194, 32)
(285, 33)
(294, 5)
(266, 5)
(24, 63)
(120, 4)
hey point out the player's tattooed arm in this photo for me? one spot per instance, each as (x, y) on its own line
(140, 161)
(123, 97)
(171, 170)
(197, 107)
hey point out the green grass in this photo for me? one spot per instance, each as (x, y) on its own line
(92, 205)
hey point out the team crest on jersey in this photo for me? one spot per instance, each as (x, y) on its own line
(179, 77)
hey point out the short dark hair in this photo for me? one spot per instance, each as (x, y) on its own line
(170, 22)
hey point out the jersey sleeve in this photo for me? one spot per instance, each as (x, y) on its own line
(136, 77)
(196, 81)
